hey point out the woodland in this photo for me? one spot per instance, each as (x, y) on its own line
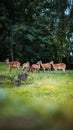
(32, 30)
(36, 31)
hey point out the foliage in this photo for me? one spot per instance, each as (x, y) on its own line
(34, 30)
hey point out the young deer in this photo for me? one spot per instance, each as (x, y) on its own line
(12, 64)
(26, 65)
(45, 66)
(58, 66)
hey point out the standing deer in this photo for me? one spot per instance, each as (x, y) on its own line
(26, 65)
(12, 64)
(35, 67)
(45, 65)
(58, 66)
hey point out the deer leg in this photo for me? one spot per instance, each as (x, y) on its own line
(64, 70)
(9, 69)
(23, 68)
(17, 67)
(38, 70)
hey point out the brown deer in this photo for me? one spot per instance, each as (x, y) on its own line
(45, 65)
(26, 65)
(12, 64)
(58, 66)
(35, 67)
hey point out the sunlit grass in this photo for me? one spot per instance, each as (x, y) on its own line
(45, 94)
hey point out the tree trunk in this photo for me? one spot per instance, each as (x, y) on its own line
(12, 53)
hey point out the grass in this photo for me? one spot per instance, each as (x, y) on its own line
(44, 100)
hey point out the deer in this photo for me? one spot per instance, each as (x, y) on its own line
(12, 64)
(26, 65)
(58, 66)
(45, 65)
(35, 67)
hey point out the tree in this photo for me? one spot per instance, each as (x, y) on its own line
(36, 30)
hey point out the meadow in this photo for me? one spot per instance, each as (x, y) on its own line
(44, 101)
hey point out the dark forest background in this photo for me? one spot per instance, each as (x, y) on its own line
(32, 30)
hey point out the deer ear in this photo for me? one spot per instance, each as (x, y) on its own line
(7, 59)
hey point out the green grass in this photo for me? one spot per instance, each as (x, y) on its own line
(44, 100)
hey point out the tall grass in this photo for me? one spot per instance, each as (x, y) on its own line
(44, 101)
